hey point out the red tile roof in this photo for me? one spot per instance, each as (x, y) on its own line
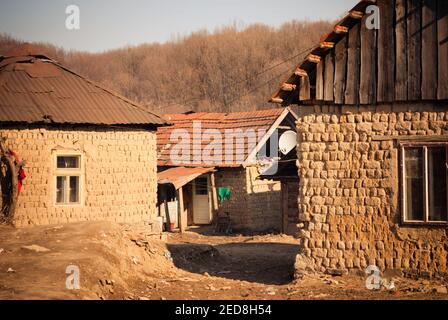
(36, 89)
(256, 120)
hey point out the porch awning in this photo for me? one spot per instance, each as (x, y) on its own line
(180, 176)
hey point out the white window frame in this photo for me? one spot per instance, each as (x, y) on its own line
(424, 146)
(78, 172)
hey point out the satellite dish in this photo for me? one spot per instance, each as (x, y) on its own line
(287, 142)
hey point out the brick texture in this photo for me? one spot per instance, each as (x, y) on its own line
(255, 205)
(120, 180)
(349, 190)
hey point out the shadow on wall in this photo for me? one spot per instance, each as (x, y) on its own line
(265, 263)
(254, 213)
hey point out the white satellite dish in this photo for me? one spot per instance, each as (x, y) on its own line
(287, 142)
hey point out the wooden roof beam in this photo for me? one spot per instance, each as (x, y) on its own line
(356, 14)
(327, 45)
(313, 58)
(288, 87)
(301, 73)
(276, 100)
(340, 29)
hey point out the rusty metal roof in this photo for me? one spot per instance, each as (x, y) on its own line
(180, 176)
(256, 120)
(36, 89)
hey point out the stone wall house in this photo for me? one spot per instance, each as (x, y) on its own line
(89, 154)
(373, 142)
(255, 202)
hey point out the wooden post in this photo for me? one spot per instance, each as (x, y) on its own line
(214, 195)
(182, 214)
(165, 208)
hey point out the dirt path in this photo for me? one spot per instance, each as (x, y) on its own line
(124, 262)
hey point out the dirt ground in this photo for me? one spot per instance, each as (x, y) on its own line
(125, 262)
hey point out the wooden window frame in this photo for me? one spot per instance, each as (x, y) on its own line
(68, 172)
(402, 182)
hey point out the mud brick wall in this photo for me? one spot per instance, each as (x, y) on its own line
(120, 179)
(254, 204)
(349, 208)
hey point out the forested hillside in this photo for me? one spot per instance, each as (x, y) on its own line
(228, 70)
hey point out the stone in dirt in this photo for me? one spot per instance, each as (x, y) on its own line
(36, 248)
(441, 290)
(336, 272)
(271, 291)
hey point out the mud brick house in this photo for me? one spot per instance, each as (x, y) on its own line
(372, 141)
(190, 187)
(89, 154)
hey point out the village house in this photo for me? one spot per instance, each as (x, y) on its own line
(88, 153)
(229, 168)
(373, 141)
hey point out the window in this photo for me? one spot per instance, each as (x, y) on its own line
(68, 179)
(424, 183)
(201, 186)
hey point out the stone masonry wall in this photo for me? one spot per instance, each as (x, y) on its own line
(254, 204)
(120, 179)
(349, 190)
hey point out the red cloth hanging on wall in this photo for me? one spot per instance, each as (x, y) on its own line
(22, 177)
(22, 174)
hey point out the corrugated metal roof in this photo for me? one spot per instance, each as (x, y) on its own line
(180, 176)
(35, 89)
(255, 120)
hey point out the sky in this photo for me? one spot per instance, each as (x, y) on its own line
(109, 24)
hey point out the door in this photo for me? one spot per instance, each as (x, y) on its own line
(201, 201)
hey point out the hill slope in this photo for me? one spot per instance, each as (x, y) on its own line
(217, 71)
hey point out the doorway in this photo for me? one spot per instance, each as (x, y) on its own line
(202, 213)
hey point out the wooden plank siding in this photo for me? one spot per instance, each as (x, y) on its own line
(329, 77)
(353, 69)
(386, 52)
(401, 52)
(305, 92)
(405, 60)
(340, 70)
(442, 39)
(429, 50)
(320, 80)
(414, 41)
(367, 87)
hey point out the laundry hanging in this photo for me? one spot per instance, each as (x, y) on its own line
(224, 194)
